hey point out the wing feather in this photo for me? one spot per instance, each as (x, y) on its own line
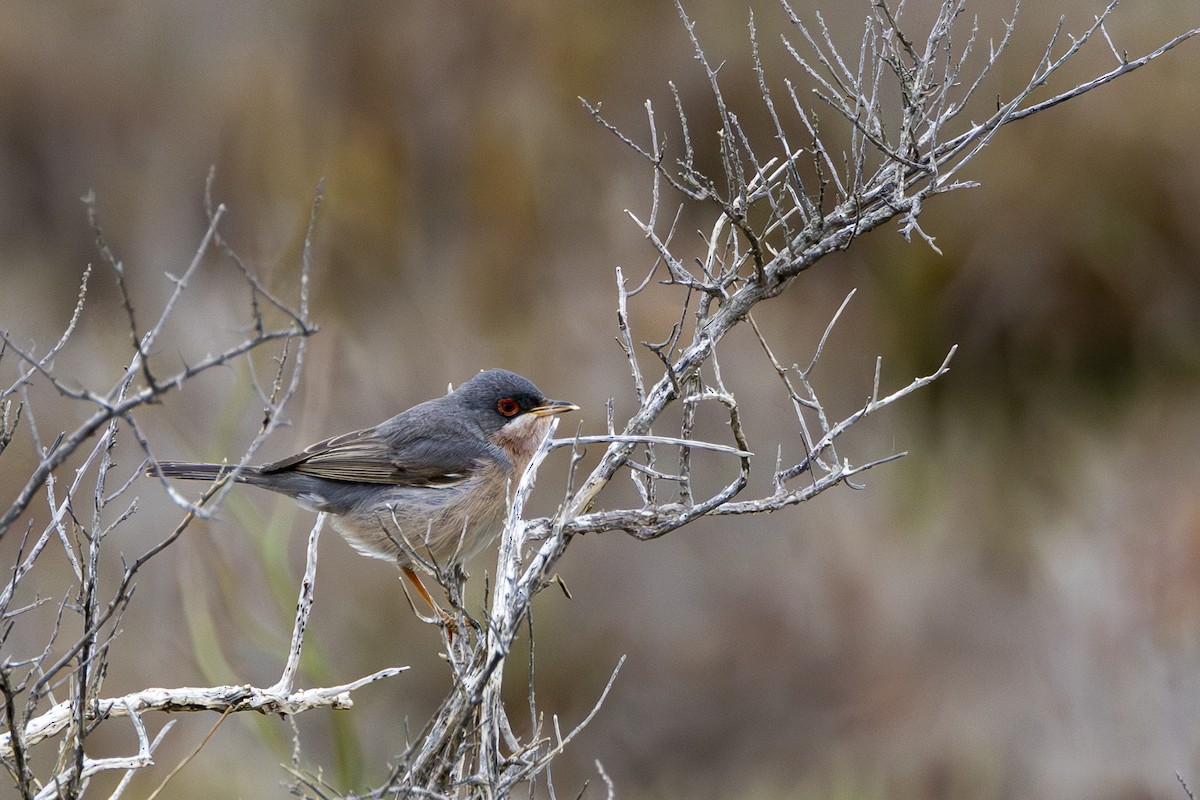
(366, 456)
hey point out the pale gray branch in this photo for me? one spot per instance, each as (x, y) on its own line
(196, 698)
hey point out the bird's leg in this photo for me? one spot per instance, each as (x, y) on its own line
(443, 614)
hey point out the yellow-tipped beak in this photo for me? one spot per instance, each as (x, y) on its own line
(550, 407)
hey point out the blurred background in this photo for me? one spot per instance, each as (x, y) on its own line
(1011, 611)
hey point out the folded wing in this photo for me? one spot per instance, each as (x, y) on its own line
(367, 457)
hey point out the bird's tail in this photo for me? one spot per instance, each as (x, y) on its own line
(200, 472)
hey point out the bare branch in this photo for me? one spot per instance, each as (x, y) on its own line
(188, 698)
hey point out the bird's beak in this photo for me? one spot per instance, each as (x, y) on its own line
(551, 407)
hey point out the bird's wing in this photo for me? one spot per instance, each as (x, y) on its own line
(367, 457)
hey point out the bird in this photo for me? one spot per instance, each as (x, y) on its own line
(428, 487)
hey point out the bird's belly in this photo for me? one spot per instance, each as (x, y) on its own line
(439, 526)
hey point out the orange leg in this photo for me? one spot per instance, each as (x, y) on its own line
(415, 580)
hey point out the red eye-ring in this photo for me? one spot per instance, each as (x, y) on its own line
(508, 407)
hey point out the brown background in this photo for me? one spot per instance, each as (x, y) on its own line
(1011, 611)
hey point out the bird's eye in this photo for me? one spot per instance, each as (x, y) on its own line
(508, 407)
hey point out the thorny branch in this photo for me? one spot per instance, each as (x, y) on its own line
(30, 684)
(889, 176)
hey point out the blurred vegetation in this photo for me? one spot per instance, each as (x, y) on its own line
(1011, 611)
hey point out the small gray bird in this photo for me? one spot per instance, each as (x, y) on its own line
(432, 482)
